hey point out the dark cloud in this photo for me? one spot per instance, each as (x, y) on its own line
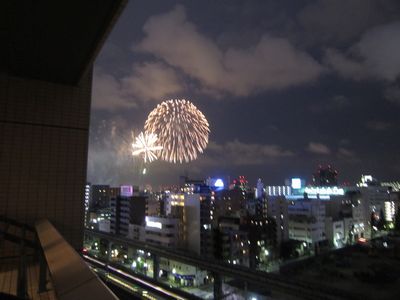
(345, 152)
(375, 56)
(336, 21)
(335, 103)
(108, 93)
(272, 63)
(148, 81)
(153, 81)
(378, 125)
(346, 66)
(318, 148)
(392, 93)
(347, 156)
(245, 154)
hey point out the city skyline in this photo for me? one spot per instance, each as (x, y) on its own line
(174, 149)
(334, 100)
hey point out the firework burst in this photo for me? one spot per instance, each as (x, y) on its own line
(181, 128)
(146, 145)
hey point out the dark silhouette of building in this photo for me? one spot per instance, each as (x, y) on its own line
(125, 211)
(325, 176)
(100, 197)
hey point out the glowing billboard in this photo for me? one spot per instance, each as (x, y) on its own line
(324, 191)
(296, 183)
(153, 224)
(126, 190)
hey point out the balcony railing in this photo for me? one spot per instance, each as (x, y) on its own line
(43, 248)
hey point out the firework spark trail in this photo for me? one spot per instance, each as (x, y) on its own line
(146, 145)
(181, 128)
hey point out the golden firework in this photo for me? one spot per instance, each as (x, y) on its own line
(181, 128)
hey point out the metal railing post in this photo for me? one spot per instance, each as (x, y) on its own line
(246, 288)
(42, 273)
(109, 248)
(156, 266)
(21, 279)
(217, 286)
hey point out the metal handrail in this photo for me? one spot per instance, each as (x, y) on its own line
(70, 275)
(258, 278)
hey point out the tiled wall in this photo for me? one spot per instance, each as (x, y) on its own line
(43, 152)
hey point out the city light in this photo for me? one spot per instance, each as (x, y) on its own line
(126, 190)
(219, 183)
(153, 224)
(296, 183)
(324, 191)
(173, 295)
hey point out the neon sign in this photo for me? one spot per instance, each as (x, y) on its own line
(153, 224)
(324, 190)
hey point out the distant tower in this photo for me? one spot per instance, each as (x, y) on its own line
(325, 176)
(259, 189)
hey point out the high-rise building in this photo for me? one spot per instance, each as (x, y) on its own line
(87, 203)
(307, 221)
(100, 197)
(153, 205)
(114, 192)
(262, 239)
(259, 189)
(229, 202)
(164, 232)
(231, 243)
(127, 210)
(277, 209)
(280, 190)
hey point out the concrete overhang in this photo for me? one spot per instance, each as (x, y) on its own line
(54, 41)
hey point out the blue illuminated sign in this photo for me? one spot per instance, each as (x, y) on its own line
(219, 183)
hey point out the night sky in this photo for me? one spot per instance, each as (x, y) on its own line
(285, 86)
